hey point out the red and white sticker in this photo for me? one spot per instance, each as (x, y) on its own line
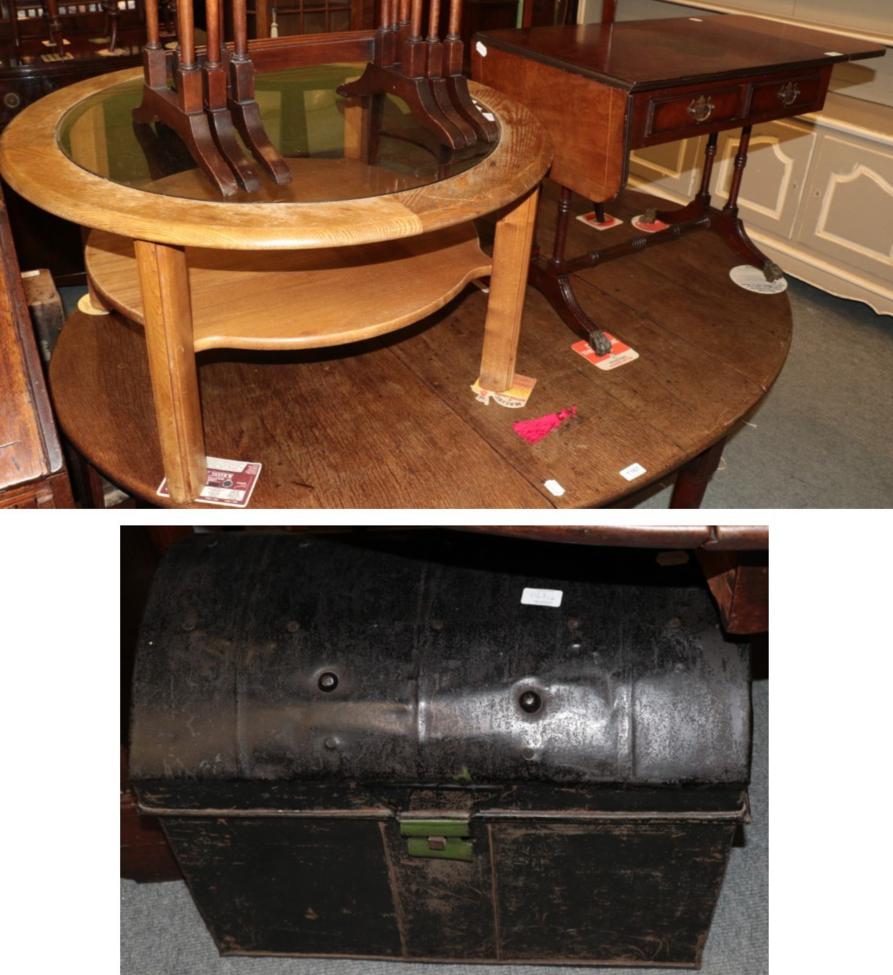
(649, 227)
(619, 355)
(607, 224)
(229, 482)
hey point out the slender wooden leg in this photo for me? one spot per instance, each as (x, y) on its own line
(94, 486)
(699, 207)
(511, 259)
(707, 171)
(561, 221)
(457, 86)
(554, 281)
(167, 310)
(356, 123)
(693, 477)
(85, 479)
(738, 171)
(728, 225)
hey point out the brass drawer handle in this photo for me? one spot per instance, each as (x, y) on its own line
(789, 93)
(701, 108)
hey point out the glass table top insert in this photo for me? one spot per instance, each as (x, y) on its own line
(304, 118)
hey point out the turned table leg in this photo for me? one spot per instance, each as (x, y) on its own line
(693, 477)
(724, 222)
(553, 279)
(167, 311)
(508, 280)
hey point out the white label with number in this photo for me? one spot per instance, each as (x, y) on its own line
(541, 597)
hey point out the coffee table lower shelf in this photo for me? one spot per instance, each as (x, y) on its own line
(279, 300)
(392, 421)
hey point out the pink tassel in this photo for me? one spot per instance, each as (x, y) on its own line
(534, 430)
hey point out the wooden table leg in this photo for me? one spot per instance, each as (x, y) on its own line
(693, 477)
(167, 309)
(511, 260)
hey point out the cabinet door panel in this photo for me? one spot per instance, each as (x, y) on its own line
(672, 168)
(847, 214)
(776, 170)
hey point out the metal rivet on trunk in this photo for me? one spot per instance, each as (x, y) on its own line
(530, 701)
(328, 681)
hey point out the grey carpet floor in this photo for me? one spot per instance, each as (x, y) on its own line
(821, 438)
(162, 933)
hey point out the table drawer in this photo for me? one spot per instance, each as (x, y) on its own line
(788, 95)
(670, 114)
(664, 116)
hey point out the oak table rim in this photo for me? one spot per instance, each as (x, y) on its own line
(33, 163)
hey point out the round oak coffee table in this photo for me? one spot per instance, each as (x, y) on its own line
(373, 233)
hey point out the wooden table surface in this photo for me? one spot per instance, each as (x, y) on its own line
(32, 470)
(156, 282)
(643, 54)
(392, 422)
(35, 165)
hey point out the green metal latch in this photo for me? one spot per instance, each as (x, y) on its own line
(443, 838)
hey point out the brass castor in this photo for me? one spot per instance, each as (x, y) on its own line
(599, 342)
(772, 272)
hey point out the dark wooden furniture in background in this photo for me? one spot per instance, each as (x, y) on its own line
(309, 16)
(734, 560)
(32, 470)
(605, 89)
(424, 71)
(208, 98)
(27, 25)
(30, 69)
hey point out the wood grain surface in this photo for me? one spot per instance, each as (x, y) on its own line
(586, 119)
(511, 258)
(301, 299)
(29, 446)
(34, 165)
(393, 423)
(165, 288)
(645, 54)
